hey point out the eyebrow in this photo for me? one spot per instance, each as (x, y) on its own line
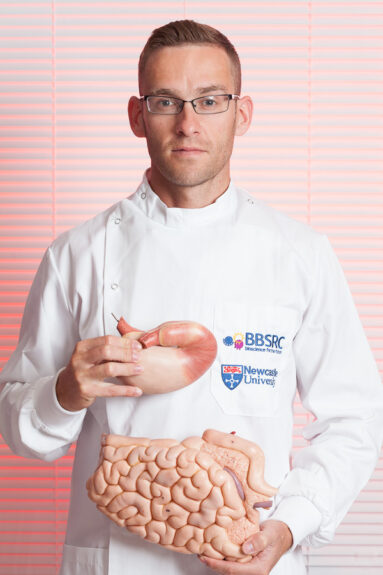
(200, 90)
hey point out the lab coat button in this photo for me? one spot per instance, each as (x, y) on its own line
(117, 220)
(114, 286)
(143, 195)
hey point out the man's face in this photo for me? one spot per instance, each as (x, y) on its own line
(189, 149)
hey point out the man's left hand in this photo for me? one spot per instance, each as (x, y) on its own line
(267, 546)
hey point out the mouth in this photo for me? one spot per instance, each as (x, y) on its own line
(187, 151)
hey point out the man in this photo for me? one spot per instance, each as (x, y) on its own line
(190, 245)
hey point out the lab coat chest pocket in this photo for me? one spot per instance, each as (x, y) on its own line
(254, 358)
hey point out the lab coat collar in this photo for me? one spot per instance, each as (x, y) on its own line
(147, 201)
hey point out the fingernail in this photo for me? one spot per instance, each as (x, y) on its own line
(248, 548)
(138, 391)
(136, 345)
(134, 355)
(138, 369)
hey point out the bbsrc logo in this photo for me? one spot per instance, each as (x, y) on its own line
(251, 341)
(231, 375)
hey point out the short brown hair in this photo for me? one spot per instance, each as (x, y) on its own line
(182, 32)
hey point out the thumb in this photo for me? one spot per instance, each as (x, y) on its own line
(255, 544)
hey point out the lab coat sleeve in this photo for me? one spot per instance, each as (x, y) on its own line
(32, 421)
(339, 384)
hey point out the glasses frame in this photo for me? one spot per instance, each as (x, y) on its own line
(192, 102)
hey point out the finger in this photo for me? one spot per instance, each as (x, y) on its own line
(107, 352)
(114, 369)
(228, 567)
(255, 544)
(114, 340)
(106, 389)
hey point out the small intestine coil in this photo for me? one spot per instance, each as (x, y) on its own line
(196, 496)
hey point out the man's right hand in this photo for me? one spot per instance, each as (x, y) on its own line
(93, 361)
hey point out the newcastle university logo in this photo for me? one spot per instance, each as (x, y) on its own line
(231, 375)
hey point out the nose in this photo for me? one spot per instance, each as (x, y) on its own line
(187, 122)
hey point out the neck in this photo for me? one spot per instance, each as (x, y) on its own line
(190, 197)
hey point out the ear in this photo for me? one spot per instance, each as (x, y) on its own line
(244, 115)
(135, 117)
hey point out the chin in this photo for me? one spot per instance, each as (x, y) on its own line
(188, 180)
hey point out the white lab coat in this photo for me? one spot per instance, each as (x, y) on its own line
(249, 274)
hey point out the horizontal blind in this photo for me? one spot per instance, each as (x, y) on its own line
(67, 69)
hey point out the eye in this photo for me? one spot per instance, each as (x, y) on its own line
(165, 103)
(162, 104)
(209, 102)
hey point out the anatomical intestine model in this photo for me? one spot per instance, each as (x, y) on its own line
(175, 354)
(199, 496)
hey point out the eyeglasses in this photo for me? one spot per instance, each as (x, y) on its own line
(169, 105)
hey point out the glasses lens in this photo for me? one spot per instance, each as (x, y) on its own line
(163, 105)
(211, 104)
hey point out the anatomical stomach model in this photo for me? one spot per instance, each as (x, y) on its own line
(199, 496)
(174, 354)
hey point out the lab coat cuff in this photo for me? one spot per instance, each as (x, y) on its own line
(48, 410)
(300, 515)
